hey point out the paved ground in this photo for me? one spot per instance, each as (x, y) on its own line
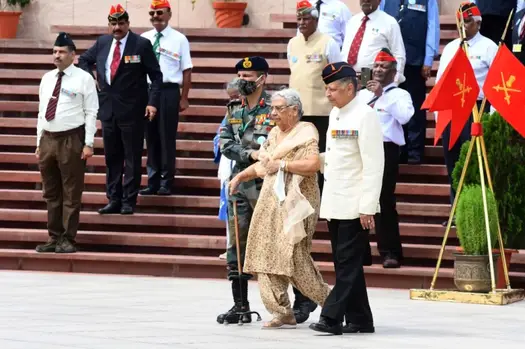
(59, 311)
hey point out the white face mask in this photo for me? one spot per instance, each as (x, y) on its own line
(278, 186)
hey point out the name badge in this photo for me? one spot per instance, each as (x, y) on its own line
(132, 59)
(345, 134)
(417, 7)
(234, 121)
(68, 93)
(516, 48)
(315, 57)
(168, 53)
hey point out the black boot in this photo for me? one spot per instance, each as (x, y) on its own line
(240, 305)
(302, 306)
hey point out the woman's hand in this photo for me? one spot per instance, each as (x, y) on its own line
(264, 158)
(234, 183)
(272, 166)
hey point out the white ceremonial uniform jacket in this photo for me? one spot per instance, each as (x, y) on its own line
(353, 163)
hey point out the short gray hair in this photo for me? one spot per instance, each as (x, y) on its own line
(233, 85)
(292, 98)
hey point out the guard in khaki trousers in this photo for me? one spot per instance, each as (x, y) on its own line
(65, 132)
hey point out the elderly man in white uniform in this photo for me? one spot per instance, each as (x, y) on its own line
(353, 169)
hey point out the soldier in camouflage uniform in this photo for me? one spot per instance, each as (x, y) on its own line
(240, 140)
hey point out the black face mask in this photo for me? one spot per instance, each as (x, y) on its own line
(246, 88)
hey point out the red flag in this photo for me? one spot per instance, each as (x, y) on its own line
(505, 88)
(444, 117)
(456, 93)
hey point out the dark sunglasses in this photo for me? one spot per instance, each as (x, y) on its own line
(158, 12)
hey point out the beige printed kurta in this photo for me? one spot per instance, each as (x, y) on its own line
(268, 251)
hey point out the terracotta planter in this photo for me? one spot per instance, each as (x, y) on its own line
(500, 279)
(500, 282)
(229, 14)
(9, 24)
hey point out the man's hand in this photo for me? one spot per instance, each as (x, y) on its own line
(375, 87)
(37, 153)
(151, 111)
(367, 221)
(425, 72)
(184, 104)
(87, 152)
(255, 155)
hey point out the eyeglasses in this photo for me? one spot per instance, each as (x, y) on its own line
(158, 12)
(279, 108)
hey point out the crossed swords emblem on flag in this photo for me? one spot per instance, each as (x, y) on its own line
(506, 87)
(463, 89)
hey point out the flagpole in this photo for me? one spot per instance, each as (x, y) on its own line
(480, 145)
(489, 176)
(461, 180)
(477, 119)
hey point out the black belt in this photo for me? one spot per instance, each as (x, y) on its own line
(65, 133)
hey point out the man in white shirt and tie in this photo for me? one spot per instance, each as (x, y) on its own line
(66, 128)
(172, 50)
(333, 17)
(394, 107)
(353, 170)
(367, 33)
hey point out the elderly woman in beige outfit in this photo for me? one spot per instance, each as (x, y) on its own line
(285, 217)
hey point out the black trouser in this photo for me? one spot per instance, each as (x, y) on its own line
(415, 129)
(387, 222)
(349, 299)
(493, 26)
(123, 144)
(452, 155)
(321, 123)
(161, 138)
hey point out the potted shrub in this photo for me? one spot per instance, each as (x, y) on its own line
(506, 154)
(471, 266)
(10, 16)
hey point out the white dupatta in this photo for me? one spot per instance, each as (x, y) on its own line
(296, 208)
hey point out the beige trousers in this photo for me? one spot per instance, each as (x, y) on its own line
(306, 278)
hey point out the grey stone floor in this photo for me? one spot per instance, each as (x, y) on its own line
(59, 311)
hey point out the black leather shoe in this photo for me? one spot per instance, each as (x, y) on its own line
(126, 209)
(325, 327)
(111, 208)
(391, 263)
(65, 246)
(353, 328)
(164, 191)
(148, 191)
(48, 247)
(414, 161)
(445, 223)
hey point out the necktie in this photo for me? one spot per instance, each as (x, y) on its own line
(356, 43)
(53, 101)
(116, 60)
(156, 45)
(318, 6)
